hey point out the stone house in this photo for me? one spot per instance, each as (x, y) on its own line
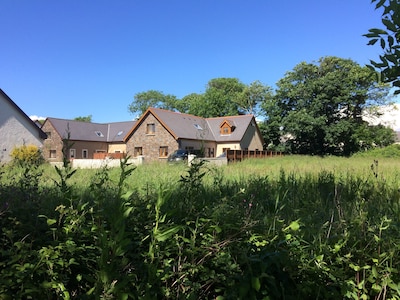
(16, 128)
(160, 132)
(86, 140)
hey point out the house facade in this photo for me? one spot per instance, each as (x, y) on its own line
(16, 128)
(160, 132)
(83, 140)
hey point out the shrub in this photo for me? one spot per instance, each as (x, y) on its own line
(27, 155)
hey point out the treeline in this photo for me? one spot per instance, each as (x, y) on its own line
(317, 108)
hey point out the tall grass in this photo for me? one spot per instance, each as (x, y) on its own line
(282, 228)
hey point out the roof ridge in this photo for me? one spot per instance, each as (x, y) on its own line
(176, 112)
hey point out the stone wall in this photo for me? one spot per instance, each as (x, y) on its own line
(151, 142)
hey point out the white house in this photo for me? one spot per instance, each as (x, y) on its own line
(16, 128)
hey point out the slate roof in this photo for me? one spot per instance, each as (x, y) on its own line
(24, 115)
(94, 132)
(241, 123)
(185, 126)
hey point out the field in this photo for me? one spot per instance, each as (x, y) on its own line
(295, 227)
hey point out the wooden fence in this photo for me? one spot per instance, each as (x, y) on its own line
(238, 155)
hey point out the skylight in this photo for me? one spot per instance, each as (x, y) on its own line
(99, 133)
(197, 126)
(119, 133)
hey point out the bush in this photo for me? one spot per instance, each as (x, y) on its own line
(27, 154)
(389, 151)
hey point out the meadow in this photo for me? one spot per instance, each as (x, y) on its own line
(292, 227)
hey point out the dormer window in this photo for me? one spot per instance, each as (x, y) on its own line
(226, 127)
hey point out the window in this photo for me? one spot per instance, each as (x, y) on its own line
(151, 128)
(163, 151)
(99, 133)
(225, 130)
(225, 149)
(53, 154)
(137, 151)
(84, 153)
(72, 153)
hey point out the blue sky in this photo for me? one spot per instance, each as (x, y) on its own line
(73, 58)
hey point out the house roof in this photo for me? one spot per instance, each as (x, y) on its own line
(24, 115)
(240, 123)
(185, 126)
(94, 132)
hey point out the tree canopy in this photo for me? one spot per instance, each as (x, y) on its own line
(389, 40)
(222, 97)
(84, 119)
(152, 98)
(317, 108)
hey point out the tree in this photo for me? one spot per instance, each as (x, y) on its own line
(389, 39)
(84, 119)
(220, 97)
(318, 107)
(152, 98)
(192, 104)
(249, 99)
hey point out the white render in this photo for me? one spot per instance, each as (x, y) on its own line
(16, 129)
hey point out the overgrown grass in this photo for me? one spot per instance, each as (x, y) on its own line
(282, 228)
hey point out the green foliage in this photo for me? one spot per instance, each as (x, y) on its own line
(389, 151)
(222, 97)
(84, 119)
(389, 41)
(318, 108)
(27, 155)
(144, 100)
(204, 234)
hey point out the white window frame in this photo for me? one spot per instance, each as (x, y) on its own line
(72, 153)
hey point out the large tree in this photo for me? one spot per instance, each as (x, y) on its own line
(220, 97)
(318, 107)
(389, 40)
(152, 98)
(252, 95)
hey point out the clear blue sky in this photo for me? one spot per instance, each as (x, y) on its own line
(73, 58)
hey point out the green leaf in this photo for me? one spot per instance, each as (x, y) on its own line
(389, 25)
(380, 3)
(51, 222)
(127, 212)
(383, 44)
(163, 236)
(372, 42)
(255, 283)
(295, 225)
